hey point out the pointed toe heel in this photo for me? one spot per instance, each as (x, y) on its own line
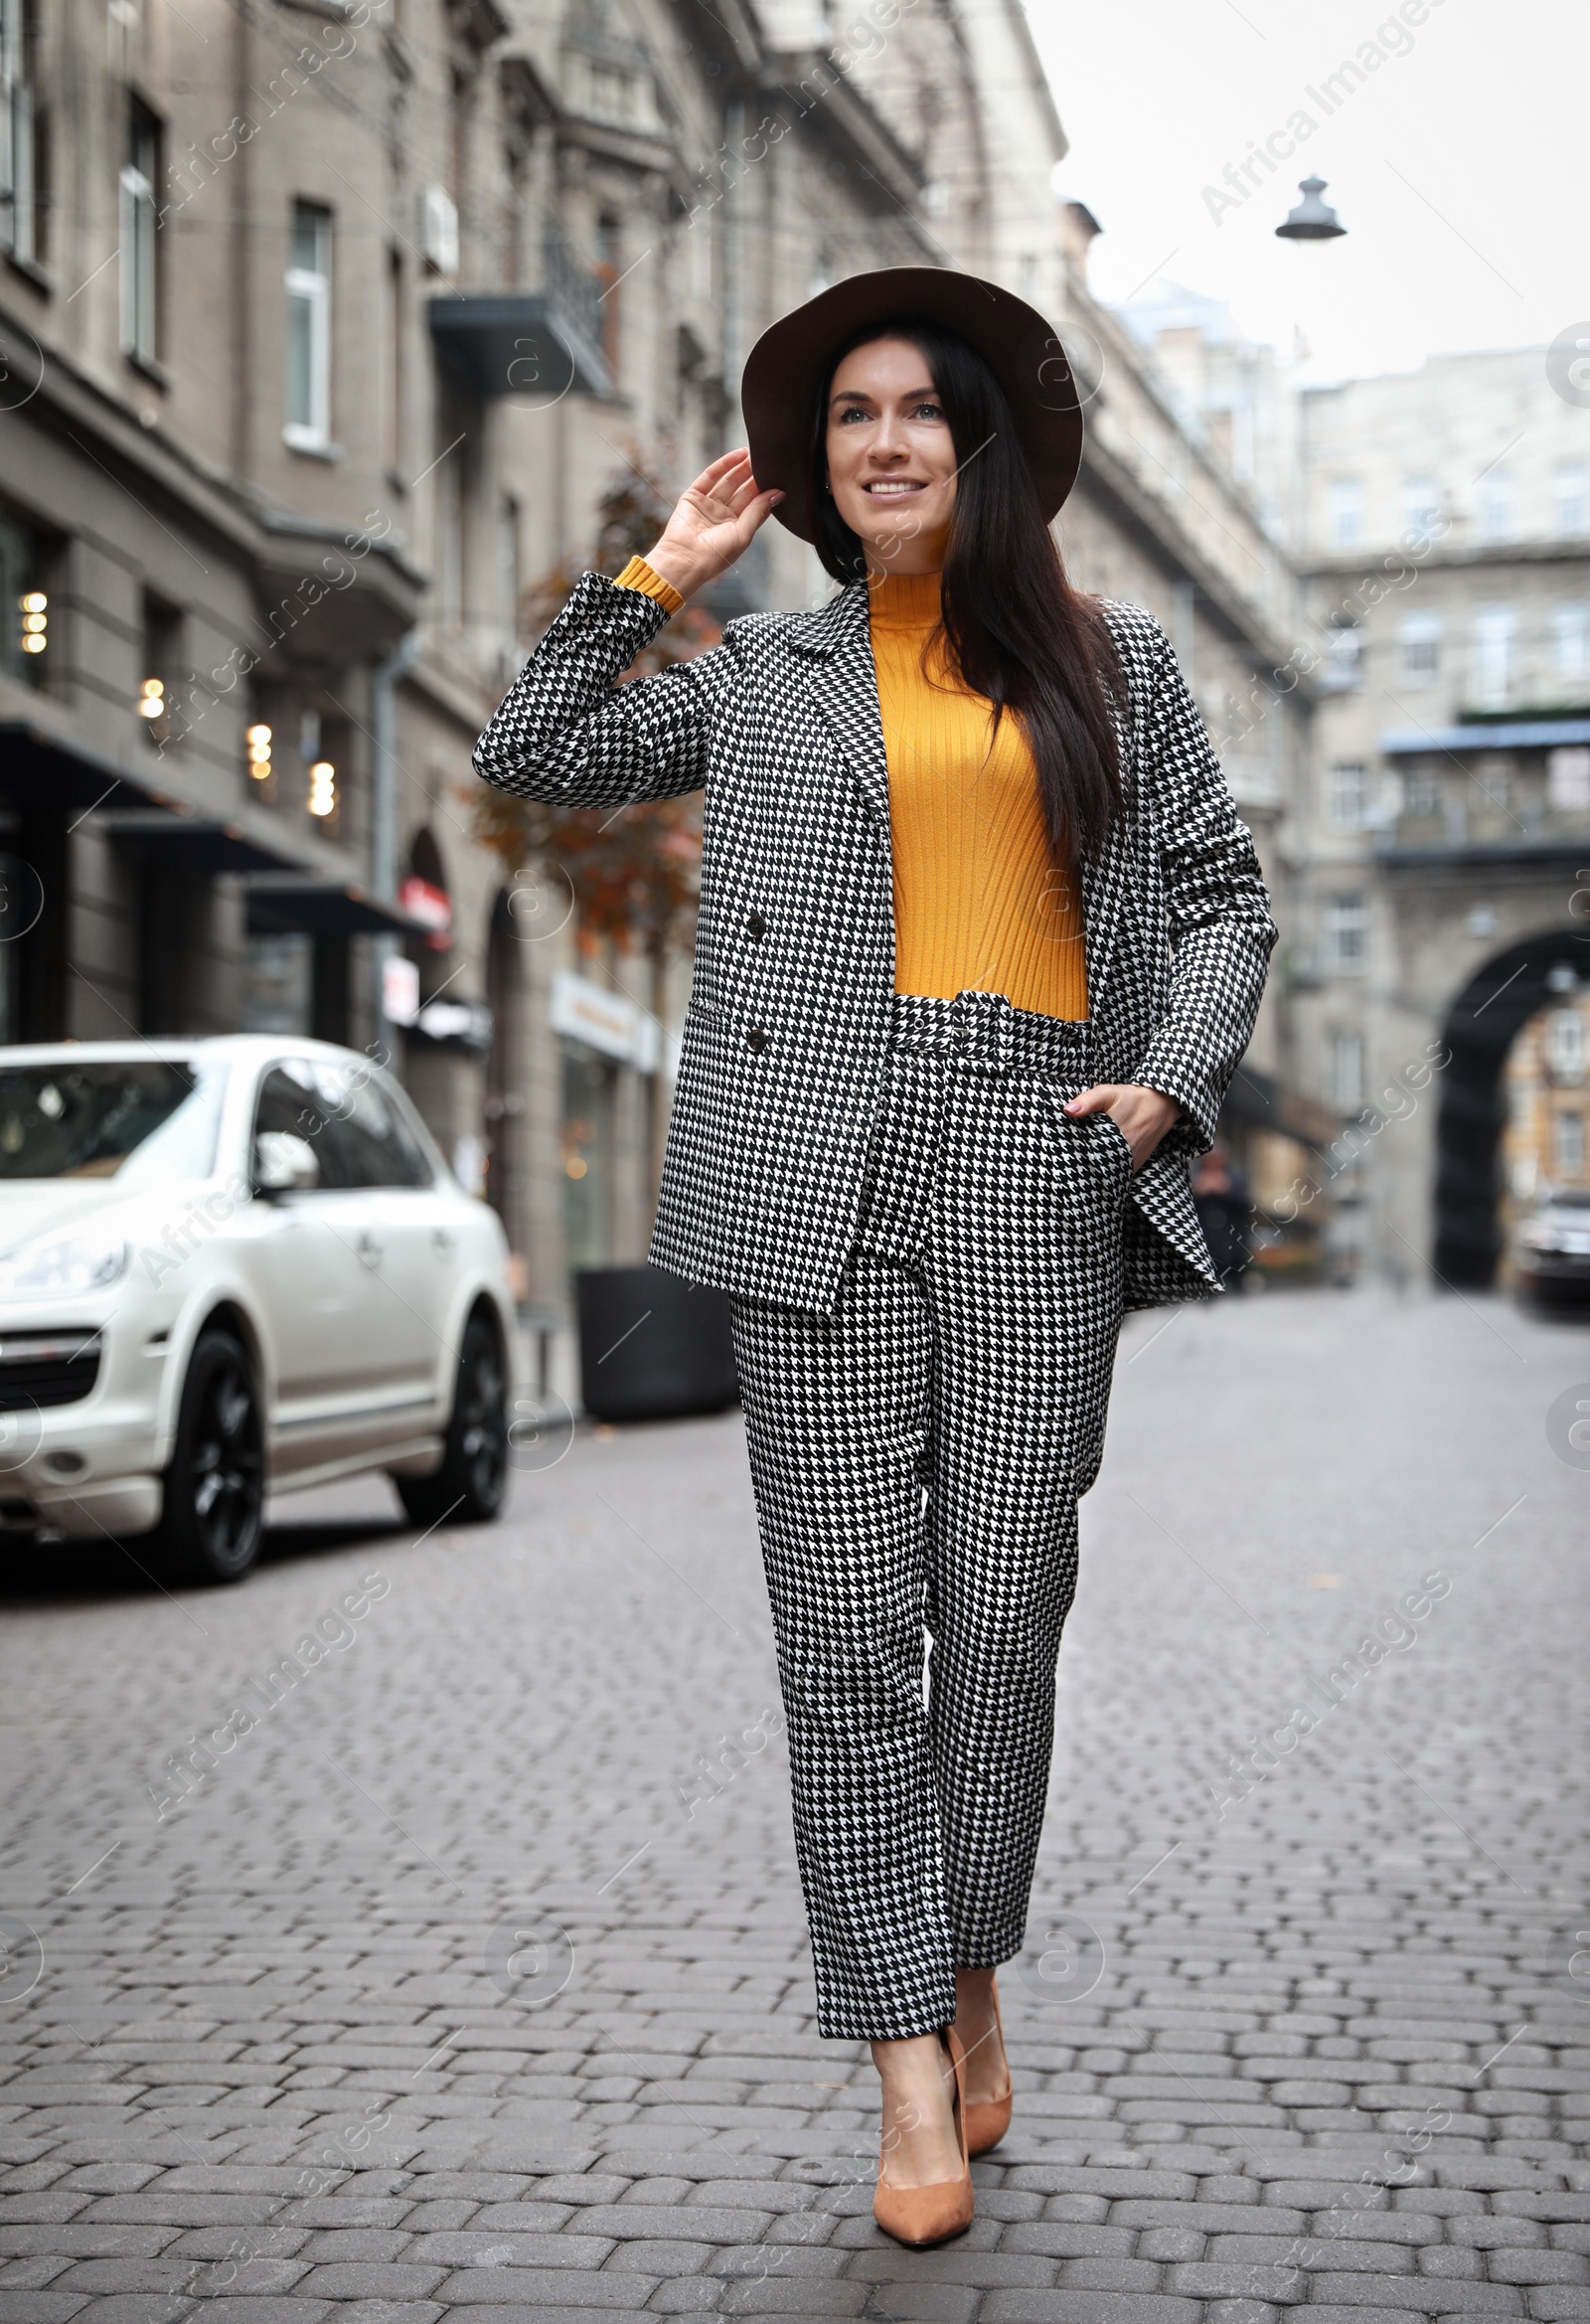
(921, 2216)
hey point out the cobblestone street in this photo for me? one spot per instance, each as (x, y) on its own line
(471, 1979)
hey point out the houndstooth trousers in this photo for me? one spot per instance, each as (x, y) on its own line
(917, 1458)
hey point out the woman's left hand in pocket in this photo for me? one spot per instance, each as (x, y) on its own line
(1142, 1116)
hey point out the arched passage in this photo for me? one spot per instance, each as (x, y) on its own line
(1481, 1026)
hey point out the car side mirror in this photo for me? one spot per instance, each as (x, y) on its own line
(284, 1163)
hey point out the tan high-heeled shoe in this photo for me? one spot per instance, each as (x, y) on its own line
(988, 2119)
(919, 2215)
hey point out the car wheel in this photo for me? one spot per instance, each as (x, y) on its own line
(468, 1487)
(214, 1516)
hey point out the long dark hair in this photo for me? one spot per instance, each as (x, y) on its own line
(1019, 633)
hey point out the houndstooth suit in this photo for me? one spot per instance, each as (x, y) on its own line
(782, 1066)
(929, 1257)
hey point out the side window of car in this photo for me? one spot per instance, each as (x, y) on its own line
(360, 1137)
(290, 1100)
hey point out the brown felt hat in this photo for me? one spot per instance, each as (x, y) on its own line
(787, 366)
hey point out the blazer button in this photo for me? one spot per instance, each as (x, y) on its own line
(756, 1039)
(756, 927)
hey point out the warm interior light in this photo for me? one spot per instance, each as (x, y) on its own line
(35, 608)
(153, 702)
(323, 788)
(260, 753)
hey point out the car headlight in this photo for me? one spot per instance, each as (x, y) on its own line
(71, 1263)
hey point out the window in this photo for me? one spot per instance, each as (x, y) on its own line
(508, 569)
(1564, 1046)
(1344, 661)
(1347, 932)
(308, 426)
(1346, 793)
(1495, 505)
(1570, 640)
(1570, 498)
(357, 1132)
(1568, 778)
(139, 176)
(1420, 639)
(1345, 512)
(1422, 511)
(1346, 1070)
(1421, 796)
(1568, 1160)
(162, 645)
(451, 542)
(19, 208)
(391, 408)
(1491, 660)
(608, 253)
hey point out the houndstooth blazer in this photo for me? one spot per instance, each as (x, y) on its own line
(783, 1057)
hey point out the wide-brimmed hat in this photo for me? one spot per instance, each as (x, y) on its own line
(790, 362)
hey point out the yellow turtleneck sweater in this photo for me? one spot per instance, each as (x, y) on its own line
(979, 900)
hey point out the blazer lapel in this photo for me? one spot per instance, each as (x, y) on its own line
(844, 685)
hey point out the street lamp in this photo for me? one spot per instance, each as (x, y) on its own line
(1313, 220)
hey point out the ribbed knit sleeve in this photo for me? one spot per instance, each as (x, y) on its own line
(638, 575)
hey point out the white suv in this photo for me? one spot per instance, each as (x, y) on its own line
(229, 1267)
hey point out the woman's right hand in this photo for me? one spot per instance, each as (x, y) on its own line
(714, 522)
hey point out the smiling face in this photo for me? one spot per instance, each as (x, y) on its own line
(891, 463)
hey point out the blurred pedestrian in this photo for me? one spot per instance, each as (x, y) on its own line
(980, 943)
(1225, 1212)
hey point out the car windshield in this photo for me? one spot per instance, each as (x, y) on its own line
(134, 1119)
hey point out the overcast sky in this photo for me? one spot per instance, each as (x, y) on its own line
(1458, 166)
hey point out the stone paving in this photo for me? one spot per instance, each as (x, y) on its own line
(463, 1971)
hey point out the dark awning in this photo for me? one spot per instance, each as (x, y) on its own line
(281, 906)
(199, 843)
(519, 343)
(37, 771)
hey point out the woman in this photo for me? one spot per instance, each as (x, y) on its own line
(980, 943)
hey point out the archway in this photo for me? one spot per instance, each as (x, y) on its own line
(1481, 1026)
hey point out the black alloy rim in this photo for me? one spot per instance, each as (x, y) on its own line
(482, 1401)
(227, 1470)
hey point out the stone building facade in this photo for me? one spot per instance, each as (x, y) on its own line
(1439, 844)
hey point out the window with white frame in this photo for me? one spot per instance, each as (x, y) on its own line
(308, 426)
(1419, 636)
(1421, 796)
(1346, 1070)
(1568, 1160)
(18, 220)
(1565, 1046)
(1570, 639)
(1568, 778)
(1346, 933)
(1346, 793)
(1345, 512)
(1494, 505)
(1490, 656)
(1421, 510)
(1570, 498)
(140, 173)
